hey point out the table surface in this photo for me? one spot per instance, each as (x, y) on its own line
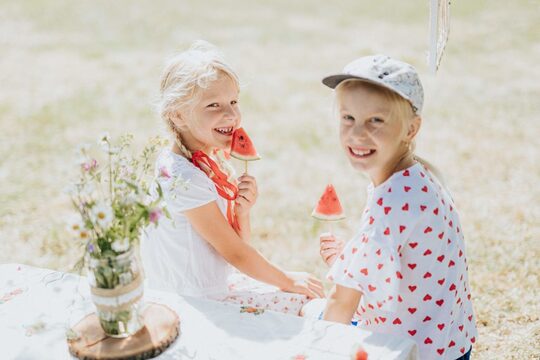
(38, 306)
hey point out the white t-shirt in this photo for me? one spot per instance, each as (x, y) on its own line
(175, 257)
(408, 261)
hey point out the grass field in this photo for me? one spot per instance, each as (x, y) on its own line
(70, 70)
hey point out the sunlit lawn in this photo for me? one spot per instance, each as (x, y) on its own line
(71, 70)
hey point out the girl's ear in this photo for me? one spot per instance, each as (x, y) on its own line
(178, 120)
(414, 126)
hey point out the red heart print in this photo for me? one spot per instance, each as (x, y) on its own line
(378, 252)
(427, 297)
(422, 174)
(424, 189)
(428, 341)
(387, 231)
(439, 302)
(402, 228)
(398, 275)
(441, 281)
(460, 253)
(380, 201)
(452, 287)
(399, 298)
(441, 235)
(387, 210)
(427, 252)
(413, 245)
(380, 266)
(428, 230)
(450, 223)
(462, 350)
(388, 280)
(440, 326)
(473, 339)
(342, 257)
(354, 250)
(371, 220)
(440, 258)
(364, 271)
(407, 188)
(412, 332)
(412, 288)
(390, 189)
(349, 275)
(452, 343)
(412, 310)
(427, 275)
(423, 207)
(470, 318)
(406, 173)
(372, 288)
(397, 321)
(460, 328)
(382, 318)
(427, 318)
(411, 266)
(436, 211)
(451, 263)
(440, 351)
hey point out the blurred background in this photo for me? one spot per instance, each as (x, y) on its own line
(70, 70)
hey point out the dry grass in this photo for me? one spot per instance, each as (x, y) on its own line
(70, 70)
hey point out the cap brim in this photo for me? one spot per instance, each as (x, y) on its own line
(333, 81)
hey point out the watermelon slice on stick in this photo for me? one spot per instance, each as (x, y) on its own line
(329, 208)
(242, 147)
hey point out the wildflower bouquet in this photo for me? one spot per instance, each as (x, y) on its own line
(114, 202)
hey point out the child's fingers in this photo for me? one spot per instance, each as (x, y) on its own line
(328, 247)
(327, 255)
(318, 290)
(247, 178)
(247, 187)
(247, 195)
(327, 237)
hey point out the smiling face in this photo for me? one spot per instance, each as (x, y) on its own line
(210, 122)
(373, 134)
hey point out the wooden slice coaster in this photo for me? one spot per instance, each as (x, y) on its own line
(161, 327)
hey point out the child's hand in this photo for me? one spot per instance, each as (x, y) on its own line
(330, 248)
(306, 284)
(247, 194)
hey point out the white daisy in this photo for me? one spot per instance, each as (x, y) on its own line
(120, 245)
(102, 214)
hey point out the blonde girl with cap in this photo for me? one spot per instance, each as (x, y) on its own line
(194, 251)
(404, 272)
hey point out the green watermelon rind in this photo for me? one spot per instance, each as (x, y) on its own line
(245, 157)
(323, 217)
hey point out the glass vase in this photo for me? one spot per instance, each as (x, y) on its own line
(116, 285)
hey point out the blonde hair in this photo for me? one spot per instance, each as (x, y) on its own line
(183, 78)
(400, 110)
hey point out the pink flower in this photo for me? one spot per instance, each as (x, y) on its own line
(164, 172)
(155, 214)
(91, 165)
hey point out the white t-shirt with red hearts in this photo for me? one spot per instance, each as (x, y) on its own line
(408, 260)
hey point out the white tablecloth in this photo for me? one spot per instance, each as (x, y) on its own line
(37, 306)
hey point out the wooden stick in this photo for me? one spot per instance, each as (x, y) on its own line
(245, 172)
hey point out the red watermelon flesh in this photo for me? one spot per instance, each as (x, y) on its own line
(242, 147)
(328, 208)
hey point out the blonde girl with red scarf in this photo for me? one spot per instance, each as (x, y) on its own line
(195, 251)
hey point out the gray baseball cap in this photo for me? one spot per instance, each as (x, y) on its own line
(387, 72)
